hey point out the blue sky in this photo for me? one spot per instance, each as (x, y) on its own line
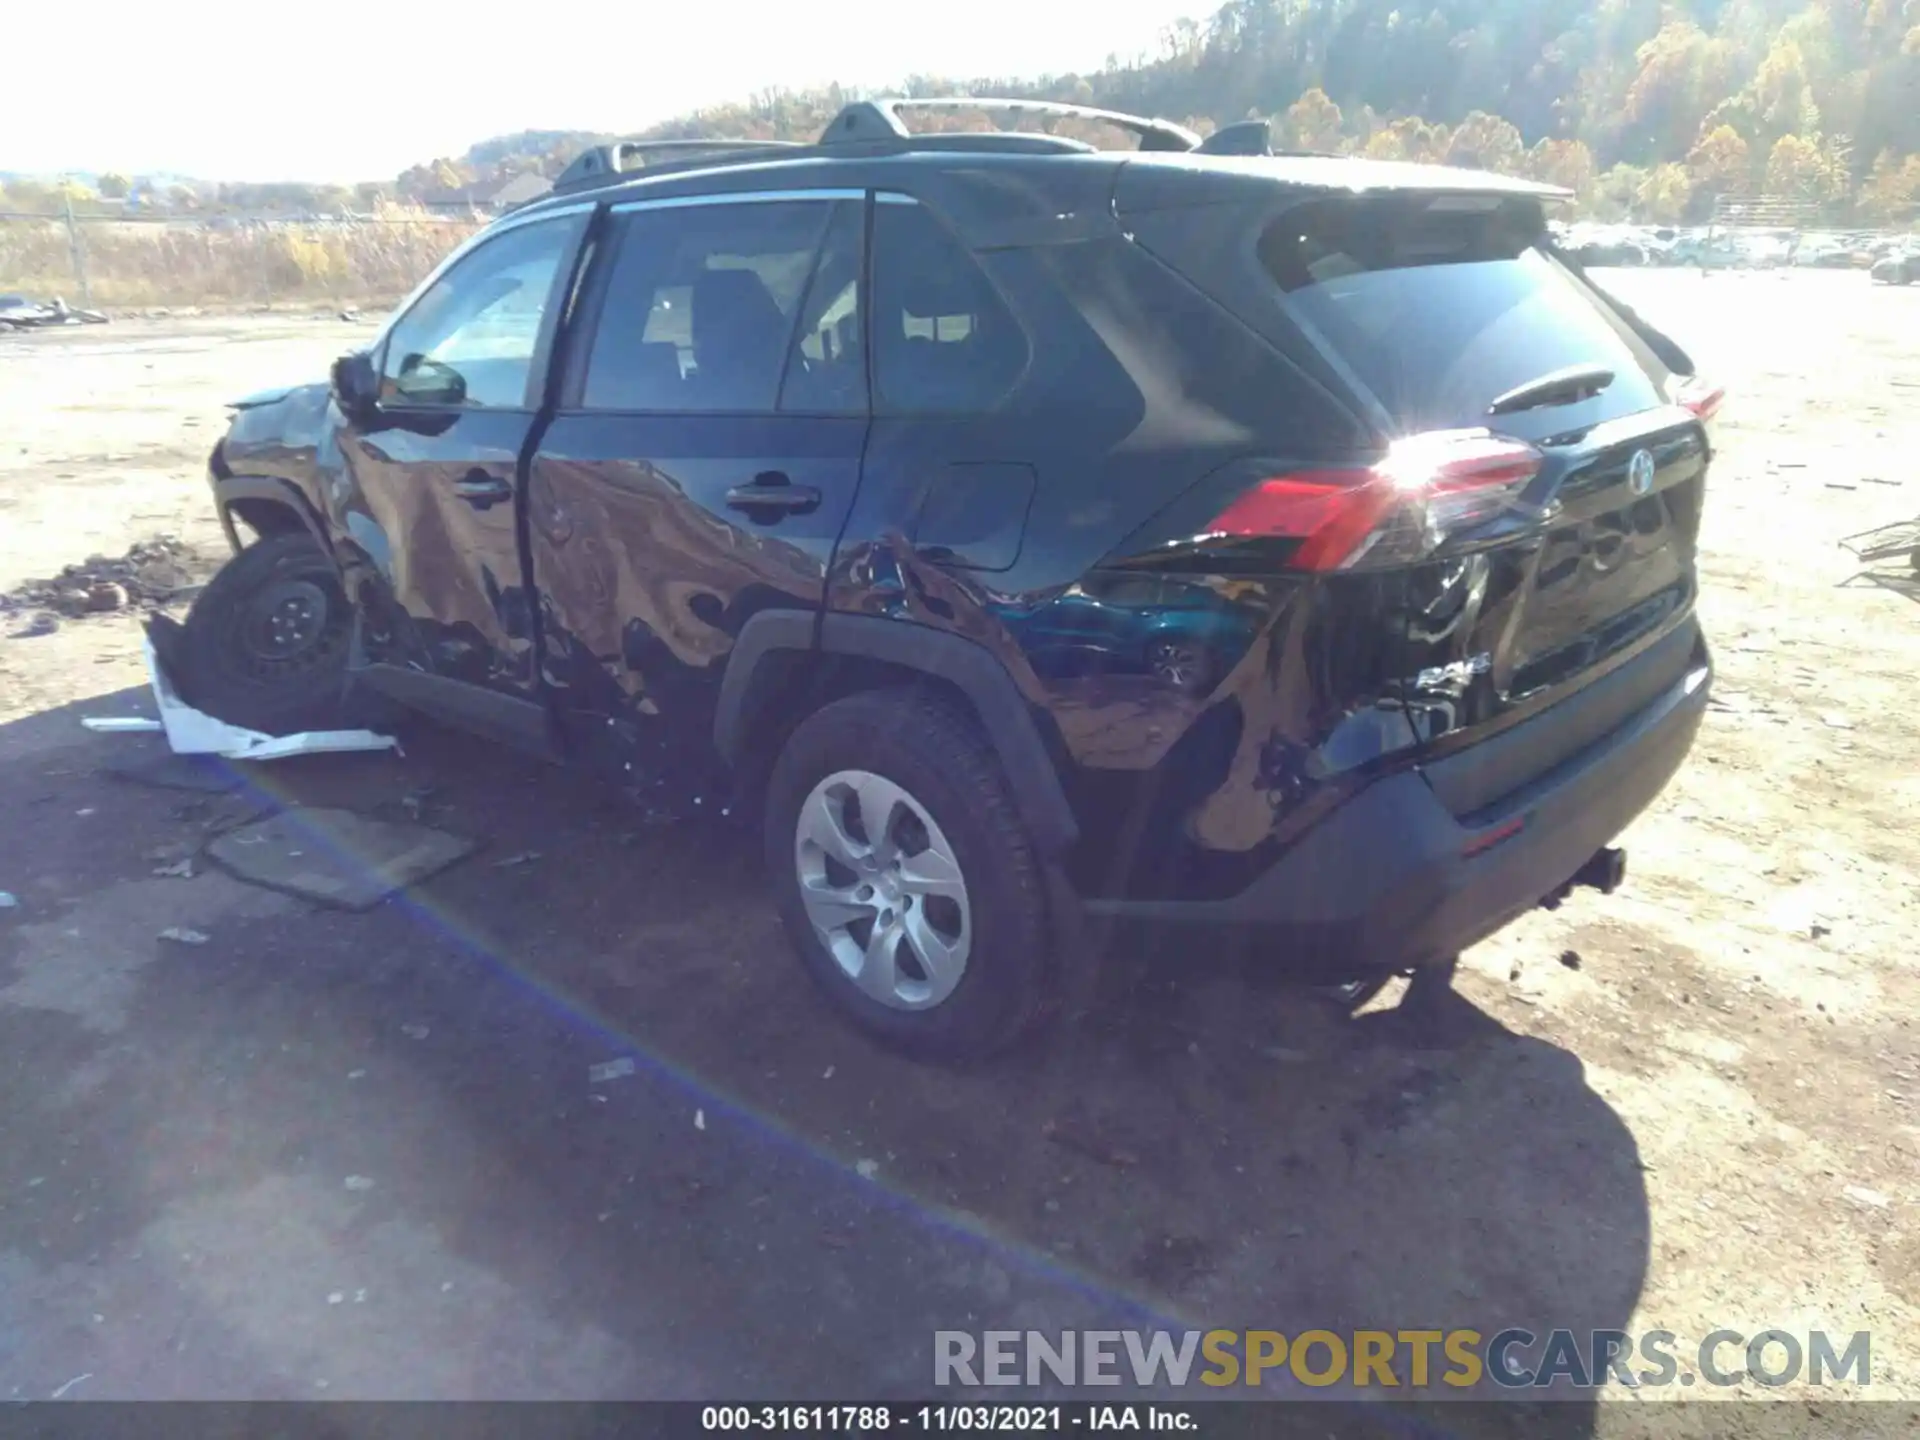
(271, 90)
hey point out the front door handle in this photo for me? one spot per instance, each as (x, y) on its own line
(772, 494)
(481, 490)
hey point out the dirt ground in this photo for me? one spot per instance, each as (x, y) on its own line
(1688, 1107)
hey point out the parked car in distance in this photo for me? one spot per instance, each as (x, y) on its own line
(1897, 267)
(1291, 552)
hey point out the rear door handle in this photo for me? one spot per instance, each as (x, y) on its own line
(481, 490)
(771, 494)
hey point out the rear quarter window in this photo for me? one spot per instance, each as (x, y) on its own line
(1436, 305)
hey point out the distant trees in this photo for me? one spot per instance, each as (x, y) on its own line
(1313, 122)
(1643, 107)
(1720, 161)
(1566, 163)
(1892, 192)
(1486, 142)
(1797, 167)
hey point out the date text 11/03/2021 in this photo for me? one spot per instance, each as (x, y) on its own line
(940, 1419)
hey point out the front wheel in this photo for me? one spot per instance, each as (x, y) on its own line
(905, 876)
(265, 645)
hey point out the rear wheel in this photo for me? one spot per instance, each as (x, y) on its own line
(905, 876)
(265, 645)
(1180, 662)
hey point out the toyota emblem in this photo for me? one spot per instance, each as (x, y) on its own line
(1640, 473)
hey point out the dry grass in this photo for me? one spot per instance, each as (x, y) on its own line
(248, 264)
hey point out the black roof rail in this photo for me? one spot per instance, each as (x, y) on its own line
(879, 120)
(605, 164)
(877, 124)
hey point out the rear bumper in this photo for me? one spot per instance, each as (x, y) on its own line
(1393, 879)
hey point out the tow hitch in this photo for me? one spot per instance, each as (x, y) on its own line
(1604, 871)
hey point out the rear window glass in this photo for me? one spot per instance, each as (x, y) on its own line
(1438, 305)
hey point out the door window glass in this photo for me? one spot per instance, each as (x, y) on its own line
(471, 338)
(944, 341)
(700, 307)
(827, 367)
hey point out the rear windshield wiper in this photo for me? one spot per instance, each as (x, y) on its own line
(1562, 387)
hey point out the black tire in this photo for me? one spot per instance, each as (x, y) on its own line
(237, 667)
(936, 755)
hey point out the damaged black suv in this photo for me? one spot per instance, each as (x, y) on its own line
(1291, 546)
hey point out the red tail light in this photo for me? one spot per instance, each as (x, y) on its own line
(1699, 396)
(1427, 488)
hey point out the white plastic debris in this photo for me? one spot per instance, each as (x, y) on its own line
(191, 732)
(699, 1119)
(8, 900)
(358, 1182)
(609, 1070)
(179, 935)
(866, 1169)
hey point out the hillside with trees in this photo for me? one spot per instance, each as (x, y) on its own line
(1642, 107)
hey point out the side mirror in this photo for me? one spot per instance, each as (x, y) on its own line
(356, 385)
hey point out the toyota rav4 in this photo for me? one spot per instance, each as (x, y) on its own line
(1296, 549)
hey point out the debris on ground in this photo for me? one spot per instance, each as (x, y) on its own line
(179, 870)
(525, 857)
(699, 1119)
(1081, 1142)
(415, 1032)
(335, 856)
(192, 732)
(358, 1182)
(8, 900)
(121, 724)
(867, 1169)
(1570, 959)
(1864, 1196)
(19, 313)
(152, 572)
(180, 935)
(609, 1070)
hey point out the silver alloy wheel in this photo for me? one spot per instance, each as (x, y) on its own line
(883, 890)
(1178, 663)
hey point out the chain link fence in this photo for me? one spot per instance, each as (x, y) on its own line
(223, 261)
